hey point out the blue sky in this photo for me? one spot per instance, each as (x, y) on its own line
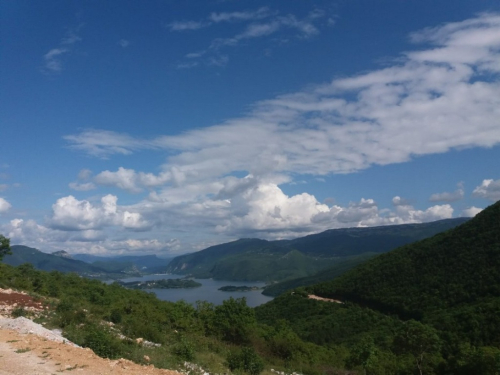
(169, 126)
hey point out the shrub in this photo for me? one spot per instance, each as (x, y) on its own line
(184, 350)
(246, 360)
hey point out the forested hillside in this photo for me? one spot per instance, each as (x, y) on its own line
(432, 307)
(340, 267)
(437, 300)
(457, 268)
(260, 260)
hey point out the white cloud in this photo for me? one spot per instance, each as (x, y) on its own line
(84, 174)
(240, 16)
(405, 213)
(390, 115)
(471, 211)
(187, 65)
(258, 30)
(448, 196)
(103, 143)
(82, 186)
(29, 233)
(186, 25)
(258, 24)
(218, 60)
(74, 215)
(257, 207)
(52, 59)
(124, 43)
(195, 55)
(420, 105)
(489, 189)
(123, 179)
(4, 206)
(133, 182)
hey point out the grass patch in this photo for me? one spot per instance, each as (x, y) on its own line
(23, 350)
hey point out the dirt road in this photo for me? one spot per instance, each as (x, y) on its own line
(27, 354)
(31, 354)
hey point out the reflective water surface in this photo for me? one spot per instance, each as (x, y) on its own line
(207, 292)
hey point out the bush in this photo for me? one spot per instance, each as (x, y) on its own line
(101, 341)
(19, 311)
(246, 360)
(184, 350)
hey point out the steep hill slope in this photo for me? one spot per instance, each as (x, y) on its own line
(437, 300)
(340, 267)
(460, 266)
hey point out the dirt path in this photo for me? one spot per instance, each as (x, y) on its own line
(312, 296)
(26, 354)
(31, 354)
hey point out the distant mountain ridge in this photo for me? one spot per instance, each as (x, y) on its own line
(62, 254)
(100, 267)
(255, 259)
(149, 263)
(48, 262)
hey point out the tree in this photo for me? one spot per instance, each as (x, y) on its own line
(234, 320)
(418, 339)
(4, 246)
(363, 354)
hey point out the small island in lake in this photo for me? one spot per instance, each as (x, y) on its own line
(161, 284)
(231, 288)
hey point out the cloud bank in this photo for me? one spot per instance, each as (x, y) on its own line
(226, 179)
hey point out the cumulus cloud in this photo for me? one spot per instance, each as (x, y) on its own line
(406, 213)
(83, 185)
(448, 196)
(426, 102)
(30, 233)
(257, 207)
(4, 205)
(471, 211)
(73, 215)
(133, 182)
(489, 189)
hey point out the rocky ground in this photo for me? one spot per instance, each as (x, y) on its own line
(27, 348)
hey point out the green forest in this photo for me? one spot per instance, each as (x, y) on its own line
(431, 307)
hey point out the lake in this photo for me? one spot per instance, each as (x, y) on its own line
(208, 291)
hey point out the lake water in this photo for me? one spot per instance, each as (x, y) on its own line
(208, 291)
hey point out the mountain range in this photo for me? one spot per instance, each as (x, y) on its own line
(260, 260)
(86, 265)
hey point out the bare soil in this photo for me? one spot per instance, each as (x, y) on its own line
(30, 354)
(312, 296)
